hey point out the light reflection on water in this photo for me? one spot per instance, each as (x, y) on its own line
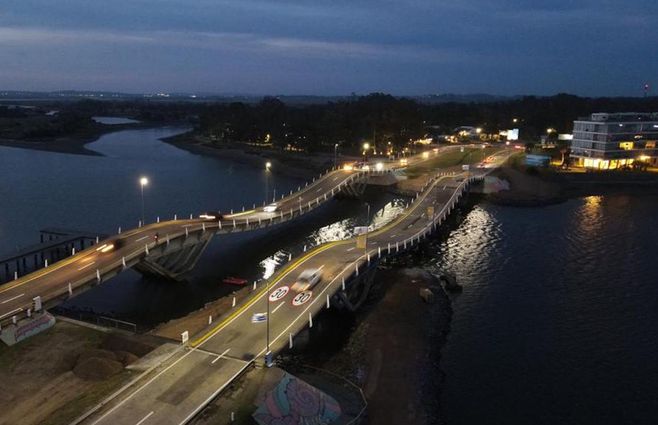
(556, 322)
(340, 230)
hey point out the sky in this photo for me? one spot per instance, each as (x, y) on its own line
(322, 47)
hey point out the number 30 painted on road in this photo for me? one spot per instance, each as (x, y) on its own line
(301, 298)
(278, 293)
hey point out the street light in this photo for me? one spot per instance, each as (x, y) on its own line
(268, 165)
(143, 181)
(367, 228)
(335, 154)
(366, 146)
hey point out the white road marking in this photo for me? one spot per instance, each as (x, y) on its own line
(144, 418)
(319, 190)
(220, 356)
(278, 307)
(350, 249)
(392, 236)
(18, 310)
(336, 178)
(142, 238)
(86, 265)
(12, 299)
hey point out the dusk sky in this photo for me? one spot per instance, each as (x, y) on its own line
(585, 47)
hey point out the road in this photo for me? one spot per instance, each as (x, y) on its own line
(61, 279)
(181, 387)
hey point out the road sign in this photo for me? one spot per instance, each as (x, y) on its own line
(359, 230)
(302, 298)
(279, 293)
(361, 241)
(185, 336)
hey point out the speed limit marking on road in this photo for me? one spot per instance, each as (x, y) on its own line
(279, 293)
(302, 298)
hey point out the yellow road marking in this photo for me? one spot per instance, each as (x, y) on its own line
(292, 266)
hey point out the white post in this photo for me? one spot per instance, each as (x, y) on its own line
(233, 305)
(15, 275)
(310, 320)
(187, 232)
(357, 269)
(70, 290)
(210, 319)
(175, 217)
(123, 262)
(45, 263)
(328, 305)
(343, 283)
(203, 227)
(98, 275)
(254, 285)
(184, 337)
(146, 249)
(289, 256)
(190, 216)
(219, 222)
(234, 223)
(289, 340)
(37, 303)
(379, 252)
(157, 219)
(304, 248)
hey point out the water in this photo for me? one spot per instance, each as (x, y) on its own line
(114, 120)
(557, 321)
(100, 193)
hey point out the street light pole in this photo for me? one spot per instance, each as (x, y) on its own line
(367, 228)
(335, 154)
(143, 181)
(268, 165)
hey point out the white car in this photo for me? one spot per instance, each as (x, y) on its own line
(271, 207)
(307, 280)
(259, 318)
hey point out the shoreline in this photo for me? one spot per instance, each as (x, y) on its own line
(296, 165)
(76, 144)
(550, 188)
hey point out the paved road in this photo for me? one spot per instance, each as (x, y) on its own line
(55, 282)
(172, 394)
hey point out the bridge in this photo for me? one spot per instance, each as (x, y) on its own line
(168, 248)
(179, 388)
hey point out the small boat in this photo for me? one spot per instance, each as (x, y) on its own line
(235, 281)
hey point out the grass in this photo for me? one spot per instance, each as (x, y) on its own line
(451, 158)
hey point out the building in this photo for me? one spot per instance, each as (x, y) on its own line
(611, 140)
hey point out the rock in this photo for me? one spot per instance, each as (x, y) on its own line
(427, 295)
(449, 282)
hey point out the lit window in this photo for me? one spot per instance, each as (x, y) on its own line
(626, 145)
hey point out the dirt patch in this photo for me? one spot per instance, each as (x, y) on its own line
(97, 368)
(55, 376)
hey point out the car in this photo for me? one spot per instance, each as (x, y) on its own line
(307, 280)
(271, 207)
(259, 317)
(212, 215)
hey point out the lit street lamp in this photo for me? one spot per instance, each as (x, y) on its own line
(268, 165)
(143, 181)
(366, 146)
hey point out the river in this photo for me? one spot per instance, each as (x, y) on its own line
(557, 320)
(556, 323)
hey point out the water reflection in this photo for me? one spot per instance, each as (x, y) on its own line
(340, 230)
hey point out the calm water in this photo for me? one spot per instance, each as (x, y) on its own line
(557, 323)
(101, 193)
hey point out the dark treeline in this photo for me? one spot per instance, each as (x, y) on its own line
(355, 120)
